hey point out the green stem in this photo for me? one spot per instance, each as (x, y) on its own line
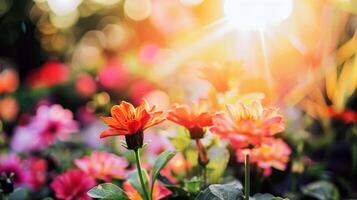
(138, 165)
(246, 177)
(205, 182)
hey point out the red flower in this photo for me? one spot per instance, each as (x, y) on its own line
(103, 165)
(37, 172)
(131, 122)
(194, 119)
(73, 184)
(50, 74)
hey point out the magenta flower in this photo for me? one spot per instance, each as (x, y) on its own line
(50, 124)
(103, 165)
(11, 163)
(73, 184)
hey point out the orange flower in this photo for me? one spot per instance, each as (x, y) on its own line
(159, 192)
(9, 81)
(221, 76)
(131, 122)
(103, 165)
(248, 123)
(194, 119)
(273, 153)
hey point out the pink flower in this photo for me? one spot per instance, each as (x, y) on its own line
(51, 123)
(103, 165)
(273, 153)
(113, 75)
(73, 184)
(85, 85)
(12, 163)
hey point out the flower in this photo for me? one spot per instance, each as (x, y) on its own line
(85, 85)
(194, 119)
(12, 164)
(159, 192)
(51, 123)
(73, 184)
(221, 75)
(273, 153)
(103, 165)
(131, 122)
(248, 123)
(37, 172)
(113, 75)
(50, 74)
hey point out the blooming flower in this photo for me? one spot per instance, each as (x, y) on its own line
(51, 123)
(194, 119)
(85, 85)
(248, 123)
(131, 122)
(73, 184)
(12, 163)
(273, 153)
(103, 165)
(159, 192)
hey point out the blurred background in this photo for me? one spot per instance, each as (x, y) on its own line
(87, 54)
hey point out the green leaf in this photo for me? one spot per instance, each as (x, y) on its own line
(193, 185)
(321, 190)
(107, 191)
(159, 164)
(135, 181)
(20, 193)
(266, 197)
(218, 160)
(230, 191)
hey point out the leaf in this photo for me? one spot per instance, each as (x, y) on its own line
(266, 196)
(107, 191)
(219, 157)
(20, 193)
(230, 191)
(321, 190)
(135, 181)
(193, 185)
(160, 163)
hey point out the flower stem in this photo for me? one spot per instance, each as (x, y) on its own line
(138, 165)
(246, 177)
(202, 160)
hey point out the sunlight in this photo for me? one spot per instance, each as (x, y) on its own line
(246, 15)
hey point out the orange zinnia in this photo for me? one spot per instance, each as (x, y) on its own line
(131, 122)
(245, 124)
(195, 119)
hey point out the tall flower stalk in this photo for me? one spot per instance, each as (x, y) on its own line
(195, 119)
(131, 122)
